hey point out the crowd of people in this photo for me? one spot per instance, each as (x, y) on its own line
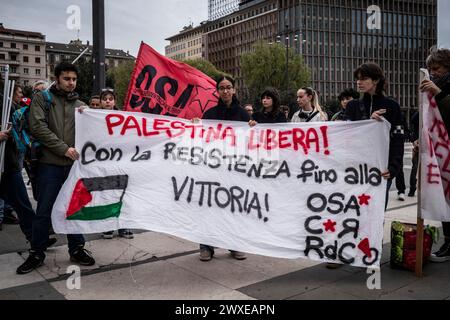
(52, 122)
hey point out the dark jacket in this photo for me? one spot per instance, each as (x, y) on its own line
(339, 116)
(414, 126)
(363, 109)
(443, 101)
(262, 117)
(58, 135)
(11, 151)
(221, 112)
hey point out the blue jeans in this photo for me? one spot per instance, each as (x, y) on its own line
(14, 192)
(21, 158)
(3, 207)
(50, 180)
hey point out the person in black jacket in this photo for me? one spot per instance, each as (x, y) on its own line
(375, 105)
(438, 62)
(270, 112)
(228, 109)
(344, 98)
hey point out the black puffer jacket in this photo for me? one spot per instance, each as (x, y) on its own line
(363, 109)
(221, 112)
(262, 117)
(443, 101)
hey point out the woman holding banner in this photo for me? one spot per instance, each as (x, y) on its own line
(228, 109)
(438, 62)
(270, 112)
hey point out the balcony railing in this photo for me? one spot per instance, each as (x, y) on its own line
(11, 62)
(5, 49)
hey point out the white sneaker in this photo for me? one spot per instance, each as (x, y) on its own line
(401, 197)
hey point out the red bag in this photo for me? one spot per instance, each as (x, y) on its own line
(403, 244)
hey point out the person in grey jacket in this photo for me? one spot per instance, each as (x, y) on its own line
(54, 126)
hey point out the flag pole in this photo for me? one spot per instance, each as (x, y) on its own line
(420, 221)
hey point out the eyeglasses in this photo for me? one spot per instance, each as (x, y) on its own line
(107, 90)
(229, 88)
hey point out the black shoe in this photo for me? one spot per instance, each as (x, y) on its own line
(51, 232)
(108, 235)
(10, 219)
(442, 255)
(33, 261)
(412, 193)
(82, 257)
(206, 255)
(1, 225)
(50, 242)
(126, 233)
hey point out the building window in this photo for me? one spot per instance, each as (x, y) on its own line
(25, 47)
(37, 60)
(25, 70)
(1, 44)
(2, 56)
(13, 57)
(26, 82)
(38, 72)
(13, 69)
(25, 59)
(13, 45)
(37, 48)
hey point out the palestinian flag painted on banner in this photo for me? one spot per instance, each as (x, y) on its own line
(97, 198)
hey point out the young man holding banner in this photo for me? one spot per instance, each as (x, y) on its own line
(230, 110)
(438, 63)
(54, 126)
(375, 105)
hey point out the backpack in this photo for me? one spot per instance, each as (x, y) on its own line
(26, 143)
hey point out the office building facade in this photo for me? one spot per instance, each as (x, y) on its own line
(226, 39)
(24, 52)
(220, 8)
(58, 52)
(187, 44)
(339, 35)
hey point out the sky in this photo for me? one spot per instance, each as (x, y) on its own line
(128, 22)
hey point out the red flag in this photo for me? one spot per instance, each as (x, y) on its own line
(160, 85)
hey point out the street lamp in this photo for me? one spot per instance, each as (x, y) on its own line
(296, 39)
(286, 43)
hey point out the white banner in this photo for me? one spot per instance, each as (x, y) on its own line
(284, 190)
(435, 163)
